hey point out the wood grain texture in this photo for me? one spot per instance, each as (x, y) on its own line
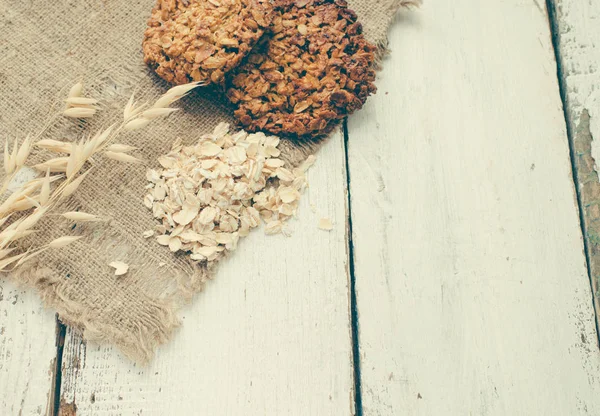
(27, 352)
(270, 335)
(472, 288)
(577, 30)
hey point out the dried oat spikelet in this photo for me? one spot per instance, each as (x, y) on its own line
(15, 159)
(76, 90)
(78, 106)
(58, 164)
(45, 190)
(132, 109)
(71, 187)
(54, 146)
(122, 157)
(8, 261)
(63, 241)
(176, 93)
(138, 118)
(31, 220)
(137, 124)
(23, 152)
(80, 216)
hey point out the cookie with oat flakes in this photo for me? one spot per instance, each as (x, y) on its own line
(315, 68)
(201, 40)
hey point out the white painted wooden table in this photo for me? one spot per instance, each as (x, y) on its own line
(453, 283)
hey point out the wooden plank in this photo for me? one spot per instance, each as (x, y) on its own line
(27, 353)
(270, 335)
(577, 35)
(472, 288)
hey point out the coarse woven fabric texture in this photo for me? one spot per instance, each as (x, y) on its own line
(48, 46)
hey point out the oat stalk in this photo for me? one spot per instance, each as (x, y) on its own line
(38, 197)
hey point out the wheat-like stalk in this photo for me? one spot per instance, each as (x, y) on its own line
(38, 197)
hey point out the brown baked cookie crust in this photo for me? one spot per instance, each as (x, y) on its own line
(201, 40)
(314, 69)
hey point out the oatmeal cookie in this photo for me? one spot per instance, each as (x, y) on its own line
(201, 40)
(315, 68)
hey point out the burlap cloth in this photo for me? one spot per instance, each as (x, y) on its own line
(44, 48)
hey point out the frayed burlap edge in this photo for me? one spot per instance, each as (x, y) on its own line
(155, 325)
(383, 44)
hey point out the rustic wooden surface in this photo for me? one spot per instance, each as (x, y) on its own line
(576, 25)
(472, 287)
(27, 352)
(471, 284)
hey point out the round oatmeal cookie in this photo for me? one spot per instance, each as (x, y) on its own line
(313, 70)
(201, 40)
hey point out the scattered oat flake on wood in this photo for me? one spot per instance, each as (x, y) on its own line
(212, 192)
(325, 224)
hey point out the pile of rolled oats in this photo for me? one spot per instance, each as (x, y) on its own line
(213, 192)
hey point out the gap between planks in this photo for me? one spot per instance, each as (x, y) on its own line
(351, 273)
(54, 396)
(580, 194)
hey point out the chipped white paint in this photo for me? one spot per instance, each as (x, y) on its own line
(592, 104)
(269, 336)
(579, 49)
(23, 176)
(473, 297)
(27, 352)
(579, 29)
